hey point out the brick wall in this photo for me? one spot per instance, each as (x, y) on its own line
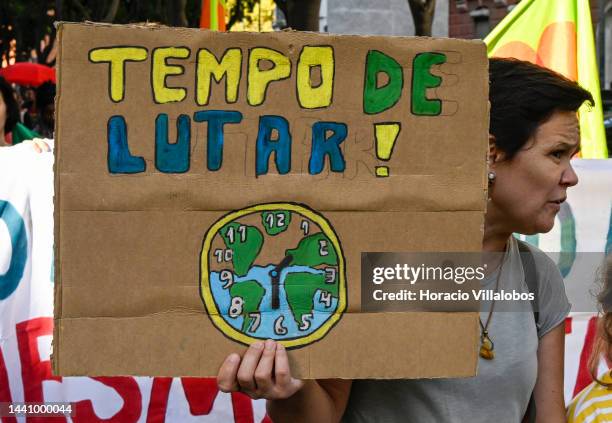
(461, 24)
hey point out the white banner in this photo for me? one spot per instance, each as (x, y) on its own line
(26, 327)
(26, 306)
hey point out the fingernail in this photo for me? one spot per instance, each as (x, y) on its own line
(233, 358)
(258, 345)
(270, 344)
(281, 346)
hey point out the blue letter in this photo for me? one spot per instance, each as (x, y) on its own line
(266, 145)
(322, 146)
(19, 245)
(119, 158)
(214, 146)
(172, 158)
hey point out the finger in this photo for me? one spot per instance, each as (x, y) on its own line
(43, 145)
(264, 371)
(226, 379)
(247, 368)
(287, 385)
(281, 367)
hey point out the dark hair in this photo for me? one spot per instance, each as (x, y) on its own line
(45, 95)
(524, 96)
(12, 109)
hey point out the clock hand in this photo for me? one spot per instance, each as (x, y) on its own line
(275, 274)
(284, 263)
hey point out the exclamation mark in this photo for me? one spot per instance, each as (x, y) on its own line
(386, 135)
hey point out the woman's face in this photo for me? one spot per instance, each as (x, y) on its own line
(529, 189)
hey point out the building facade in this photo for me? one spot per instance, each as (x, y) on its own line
(476, 18)
(380, 17)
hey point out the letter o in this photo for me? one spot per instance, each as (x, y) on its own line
(19, 243)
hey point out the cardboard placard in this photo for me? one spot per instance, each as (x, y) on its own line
(213, 189)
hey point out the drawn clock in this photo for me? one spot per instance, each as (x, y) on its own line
(273, 271)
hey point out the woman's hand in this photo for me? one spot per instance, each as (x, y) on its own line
(39, 144)
(263, 372)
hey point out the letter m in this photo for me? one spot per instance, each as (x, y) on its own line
(209, 67)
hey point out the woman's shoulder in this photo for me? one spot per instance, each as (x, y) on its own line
(546, 268)
(552, 305)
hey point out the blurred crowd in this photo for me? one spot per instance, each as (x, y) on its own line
(26, 108)
(26, 112)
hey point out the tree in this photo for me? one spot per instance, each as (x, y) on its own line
(301, 15)
(28, 21)
(422, 15)
(167, 12)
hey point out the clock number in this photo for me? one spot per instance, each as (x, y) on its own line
(227, 278)
(305, 226)
(279, 329)
(231, 233)
(224, 255)
(236, 307)
(255, 322)
(325, 298)
(280, 220)
(330, 275)
(323, 248)
(243, 233)
(305, 325)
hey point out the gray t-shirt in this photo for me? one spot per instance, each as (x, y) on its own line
(502, 387)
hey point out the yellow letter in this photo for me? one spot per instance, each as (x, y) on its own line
(315, 97)
(258, 79)
(161, 69)
(117, 56)
(209, 67)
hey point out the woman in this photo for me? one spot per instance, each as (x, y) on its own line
(9, 121)
(594, 403)
(533, 134)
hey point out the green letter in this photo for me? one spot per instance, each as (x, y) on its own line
(422, 79)
(378, 99)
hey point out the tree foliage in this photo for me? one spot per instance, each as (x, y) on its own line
(27, 21)
(301, 15)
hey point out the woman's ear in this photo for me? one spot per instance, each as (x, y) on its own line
(495, 154)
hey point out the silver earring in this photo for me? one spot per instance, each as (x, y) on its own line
(491, 176)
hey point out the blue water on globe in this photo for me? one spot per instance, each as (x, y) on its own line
(222, 297)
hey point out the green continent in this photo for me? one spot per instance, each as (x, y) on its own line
(275, 222)
(251, 293)
(314, 250)
(246, 245)
(301, 287)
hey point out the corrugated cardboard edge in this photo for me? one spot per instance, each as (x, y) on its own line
(57, 301)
